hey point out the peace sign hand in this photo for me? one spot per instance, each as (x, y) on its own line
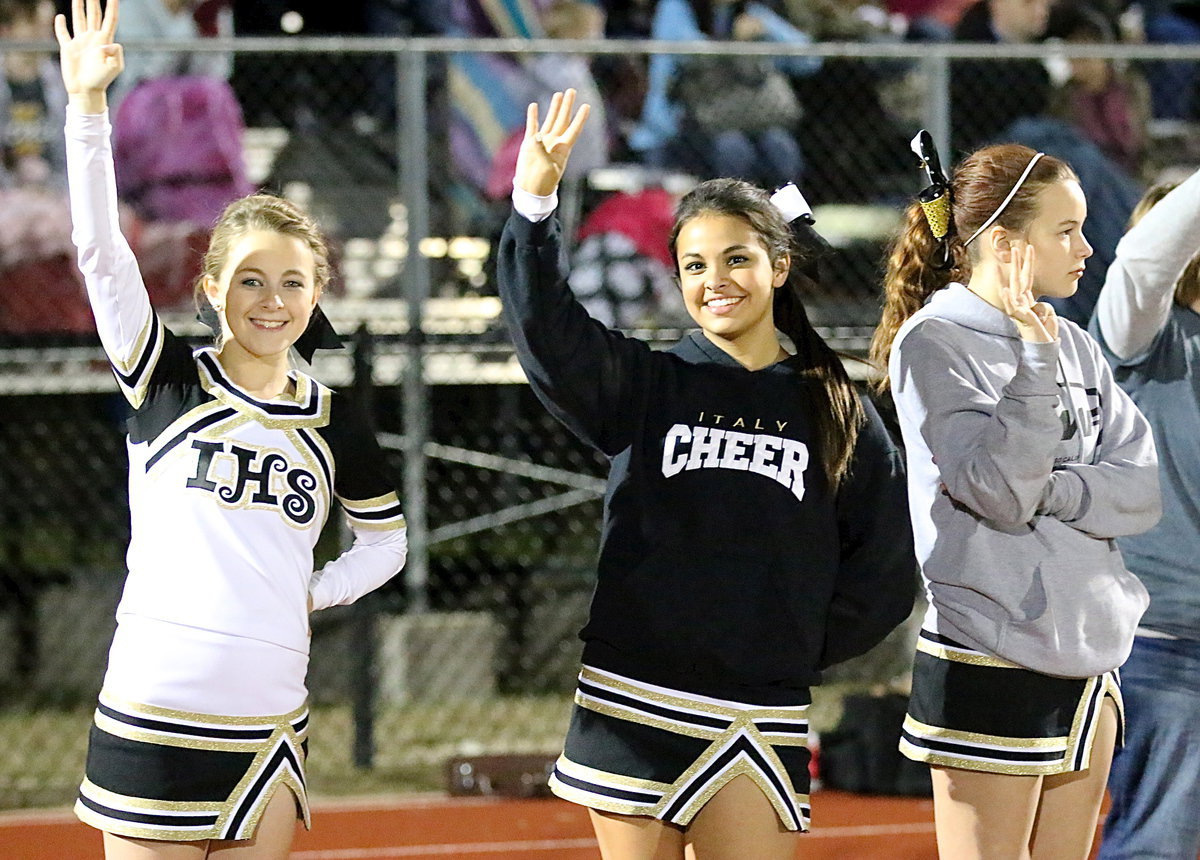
(1036, 321)
(90, 59)
(544, 152)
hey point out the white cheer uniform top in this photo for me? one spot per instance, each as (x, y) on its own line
(227, 493)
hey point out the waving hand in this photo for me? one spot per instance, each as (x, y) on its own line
(545, 150)
(1035, 320)
(89, 56)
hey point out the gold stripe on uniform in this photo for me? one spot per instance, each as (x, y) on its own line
(962, 655)
(361, 505)
(924, 730)
(1082, 731)
(738, 767)
(702, 704)
(266, 750)
(741, 728)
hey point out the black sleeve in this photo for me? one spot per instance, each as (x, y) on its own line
(877, 577)
(364, 483)
(162, 383)
(588, 377)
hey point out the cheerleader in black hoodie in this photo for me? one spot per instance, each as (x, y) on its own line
(755, 525)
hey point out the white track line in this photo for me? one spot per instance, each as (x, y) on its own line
(850, 832)
(323, 806)
(442, 850)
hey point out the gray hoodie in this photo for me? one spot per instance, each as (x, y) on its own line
(1025, 460)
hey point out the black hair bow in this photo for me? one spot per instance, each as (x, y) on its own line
(935, 198)
(796, 211)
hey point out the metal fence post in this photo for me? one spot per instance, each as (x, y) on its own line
(411, 156)
(937, 102)
(366, 609)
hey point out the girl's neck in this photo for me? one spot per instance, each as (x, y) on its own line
(986, 287)
(752, 353)
(265, 377)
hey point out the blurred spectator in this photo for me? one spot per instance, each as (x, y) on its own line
(929, 20)
(551, 73)
(506, 20)
(622, 270)
(39, 283)
(175, 20)
(987, 96)
(628, 19)
(487, 92)
(1107, 102)
(41, 290)
(31, 101)
(622, 77)
(178, 147)
(40, 287)
(1172, 82)
(862, 146)
(573, 20)
(668, 136)
(843, 20)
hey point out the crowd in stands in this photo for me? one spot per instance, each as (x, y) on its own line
(837, 125)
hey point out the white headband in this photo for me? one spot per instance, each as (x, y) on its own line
(1007, 200)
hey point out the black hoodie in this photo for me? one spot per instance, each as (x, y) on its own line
(727, 566)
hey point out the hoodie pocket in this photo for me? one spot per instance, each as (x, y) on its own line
(1092, 609)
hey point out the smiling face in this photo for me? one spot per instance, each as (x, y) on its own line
(728, 279)
(1056, 234)
(265, 293)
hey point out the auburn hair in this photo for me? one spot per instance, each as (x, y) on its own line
(980, 184)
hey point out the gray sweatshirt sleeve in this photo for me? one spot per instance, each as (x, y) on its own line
(994, 457)
(1118, 494)
(1139, 288)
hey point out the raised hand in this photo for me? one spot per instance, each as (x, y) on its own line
(90, 59)
(545, 150)
(1036, 321)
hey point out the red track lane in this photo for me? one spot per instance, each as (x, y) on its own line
(848, 827)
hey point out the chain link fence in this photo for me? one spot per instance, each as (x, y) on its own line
(402, 149)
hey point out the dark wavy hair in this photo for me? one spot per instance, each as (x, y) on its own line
(838, 413)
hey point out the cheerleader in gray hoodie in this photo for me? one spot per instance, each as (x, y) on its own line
(1025, 461)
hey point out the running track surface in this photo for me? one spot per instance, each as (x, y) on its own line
(427, 827)
(848, 827)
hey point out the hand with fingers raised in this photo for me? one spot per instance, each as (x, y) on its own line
(89, 57)
(545, 150)
(1036, 321)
